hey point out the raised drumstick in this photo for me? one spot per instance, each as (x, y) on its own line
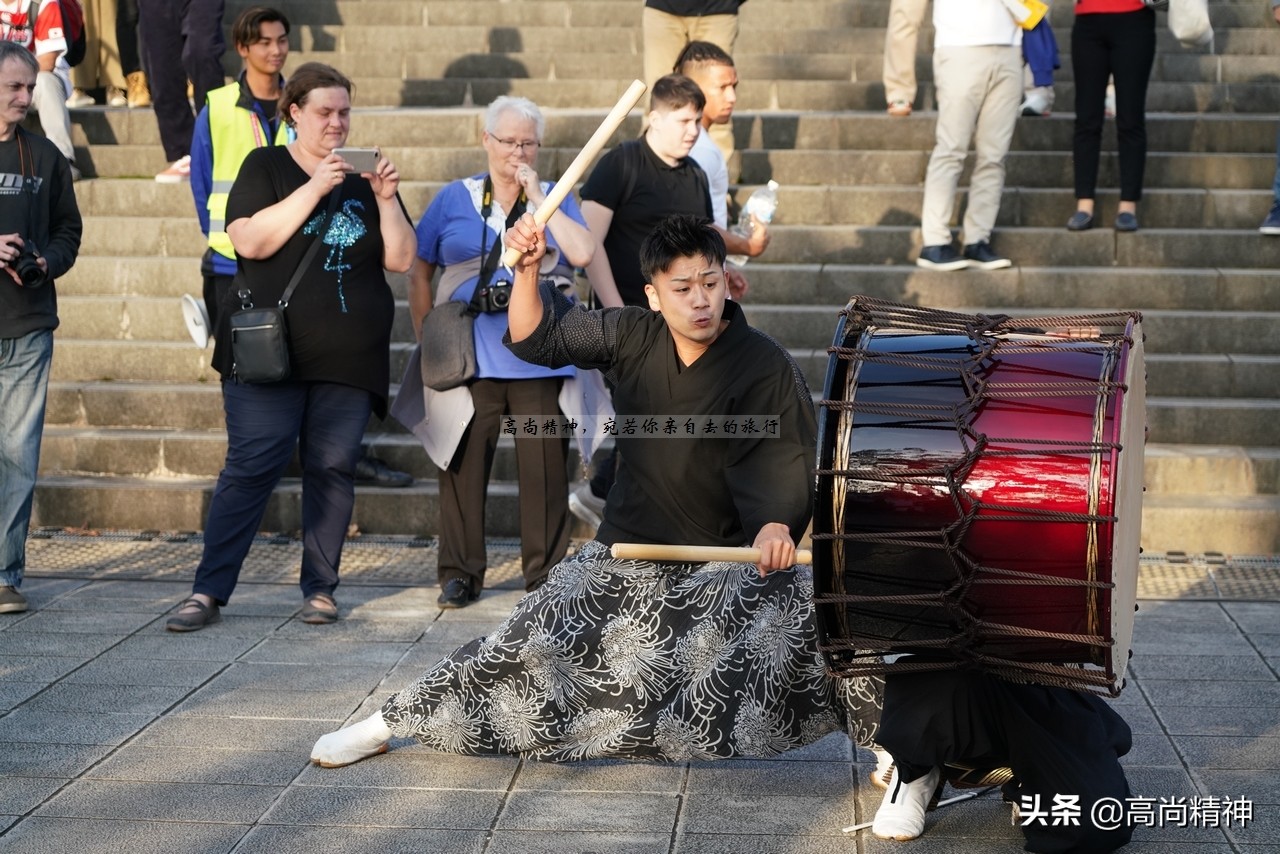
(582, 161)
(695, 554)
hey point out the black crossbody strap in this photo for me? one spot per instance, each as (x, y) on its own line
(491, 261)
(334, 197)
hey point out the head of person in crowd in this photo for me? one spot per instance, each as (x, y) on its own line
(261, 37)
(712, 69)
(18, 70)
(683, 262)
(316, 103)
(675, 110)
(512, 136)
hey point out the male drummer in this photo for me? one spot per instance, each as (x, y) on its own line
(1063, 747)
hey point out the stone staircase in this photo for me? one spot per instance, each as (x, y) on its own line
(134, 436)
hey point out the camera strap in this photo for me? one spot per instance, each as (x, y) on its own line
(490, 265)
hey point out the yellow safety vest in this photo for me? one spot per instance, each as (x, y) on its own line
(234, 132)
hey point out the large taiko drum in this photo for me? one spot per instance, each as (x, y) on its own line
(980, 494)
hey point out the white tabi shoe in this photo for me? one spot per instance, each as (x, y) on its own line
(901, 813)
(884, 768)
(359, 741)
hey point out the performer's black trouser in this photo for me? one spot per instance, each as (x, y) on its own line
(1057, 742)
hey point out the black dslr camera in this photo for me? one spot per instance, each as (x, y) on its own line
(494, 297)
(27, 266)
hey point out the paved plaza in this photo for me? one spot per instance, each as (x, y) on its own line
(120, 737)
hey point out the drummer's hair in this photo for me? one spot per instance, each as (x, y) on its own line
(675, 91)
(680, 236)
(699, 55)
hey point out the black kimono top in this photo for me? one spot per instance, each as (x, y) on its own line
(673, 487)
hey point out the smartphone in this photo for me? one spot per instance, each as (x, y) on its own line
(361, 159)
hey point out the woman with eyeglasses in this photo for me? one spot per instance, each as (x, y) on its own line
(461, 235)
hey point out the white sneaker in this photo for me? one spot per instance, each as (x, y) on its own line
(359, 741)
(901, 813)
(178, 171)
(1036, 103)
(884, 768)
(584, 504)
(80, 98)
(117, 97)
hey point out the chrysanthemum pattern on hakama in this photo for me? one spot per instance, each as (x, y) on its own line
(630, 659)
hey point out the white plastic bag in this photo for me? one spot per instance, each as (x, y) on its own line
(1189, 22)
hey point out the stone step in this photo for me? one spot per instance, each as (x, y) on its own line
(1211, 469)
(1195, 524)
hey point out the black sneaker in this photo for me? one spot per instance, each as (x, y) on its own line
(374, 472)
(981, 256)
(942, 257)
(11, 601)
(456, 594)
(1271, 225)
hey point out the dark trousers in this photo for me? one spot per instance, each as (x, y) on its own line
(127, 35)
(1123, 46)
(214, 291)
(543, 479)
(1057, 742)
(264, 422)
(181, 40)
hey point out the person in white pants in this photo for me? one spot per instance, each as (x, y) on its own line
(906, 17)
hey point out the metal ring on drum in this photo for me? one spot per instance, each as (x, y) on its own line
(979, 494)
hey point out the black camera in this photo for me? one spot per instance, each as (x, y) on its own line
(27, 266)
(494, 297)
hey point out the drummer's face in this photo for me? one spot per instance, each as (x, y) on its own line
(690, 295)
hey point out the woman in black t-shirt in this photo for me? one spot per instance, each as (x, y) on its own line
(339, 330)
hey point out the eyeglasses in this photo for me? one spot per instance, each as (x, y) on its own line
(510, 145)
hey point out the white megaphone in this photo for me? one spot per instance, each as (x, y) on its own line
(197, 320)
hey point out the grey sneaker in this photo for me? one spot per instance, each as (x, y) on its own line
(584, 504)
(1271, 225)
(11, 601)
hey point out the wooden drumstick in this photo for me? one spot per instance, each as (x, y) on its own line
(695, 554)
(581, 162)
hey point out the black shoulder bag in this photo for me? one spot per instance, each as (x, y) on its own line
(259, 336)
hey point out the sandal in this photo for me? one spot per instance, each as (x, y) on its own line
(319, 610)
(205, 615)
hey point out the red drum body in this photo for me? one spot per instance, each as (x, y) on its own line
(979, 494)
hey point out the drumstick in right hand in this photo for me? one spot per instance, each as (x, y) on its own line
(695, 554)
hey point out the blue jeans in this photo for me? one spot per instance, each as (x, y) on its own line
(24, 381)
(264, 423)
(1275, 188)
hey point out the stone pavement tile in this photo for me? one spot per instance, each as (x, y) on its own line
(20, 795)
(224, 804)
(1141, 719)
(199, 764)
(426, 653)
(89, 622)
(458, 632)
(599, 776)
(36, 668)
(1182, 613)
(297, 677)
(812, 779)
(1255, 617)
(1246, 754)
(319, 651)
(69, 727)
(40, 592)
(313, 806)
(6, 820)
(600, 812)
(1235, 695)
(120, 671)
(1168, 831)
(245, 702)
(193, 646)
(409, 766)
(59, 644)
(38, 835)
(562, 842)
(276, 839)
(1153, 782)
(376, 630)
(1216, 720)
(1210, 668)
(493, 605)
(763, 814)
(1169, 638)
(233, 625)
(1261, 787)
(1256, 849)
(1151, 749)
(113, 699)
(1261, 830)
(286, 736)
(769, 843)
(832, 747)
(397, 603)
(13, 694)
(1157, 847)
(87, 599)
(43, 759)
(1268, 645)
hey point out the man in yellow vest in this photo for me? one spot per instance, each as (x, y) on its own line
(236, 119)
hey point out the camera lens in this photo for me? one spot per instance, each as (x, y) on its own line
(28, 270)
(500, 297)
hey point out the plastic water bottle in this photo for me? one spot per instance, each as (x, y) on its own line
(763, 203)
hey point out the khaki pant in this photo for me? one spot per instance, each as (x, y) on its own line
(665, 35)
(101, 64)
(906, 17)
(979, 97)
